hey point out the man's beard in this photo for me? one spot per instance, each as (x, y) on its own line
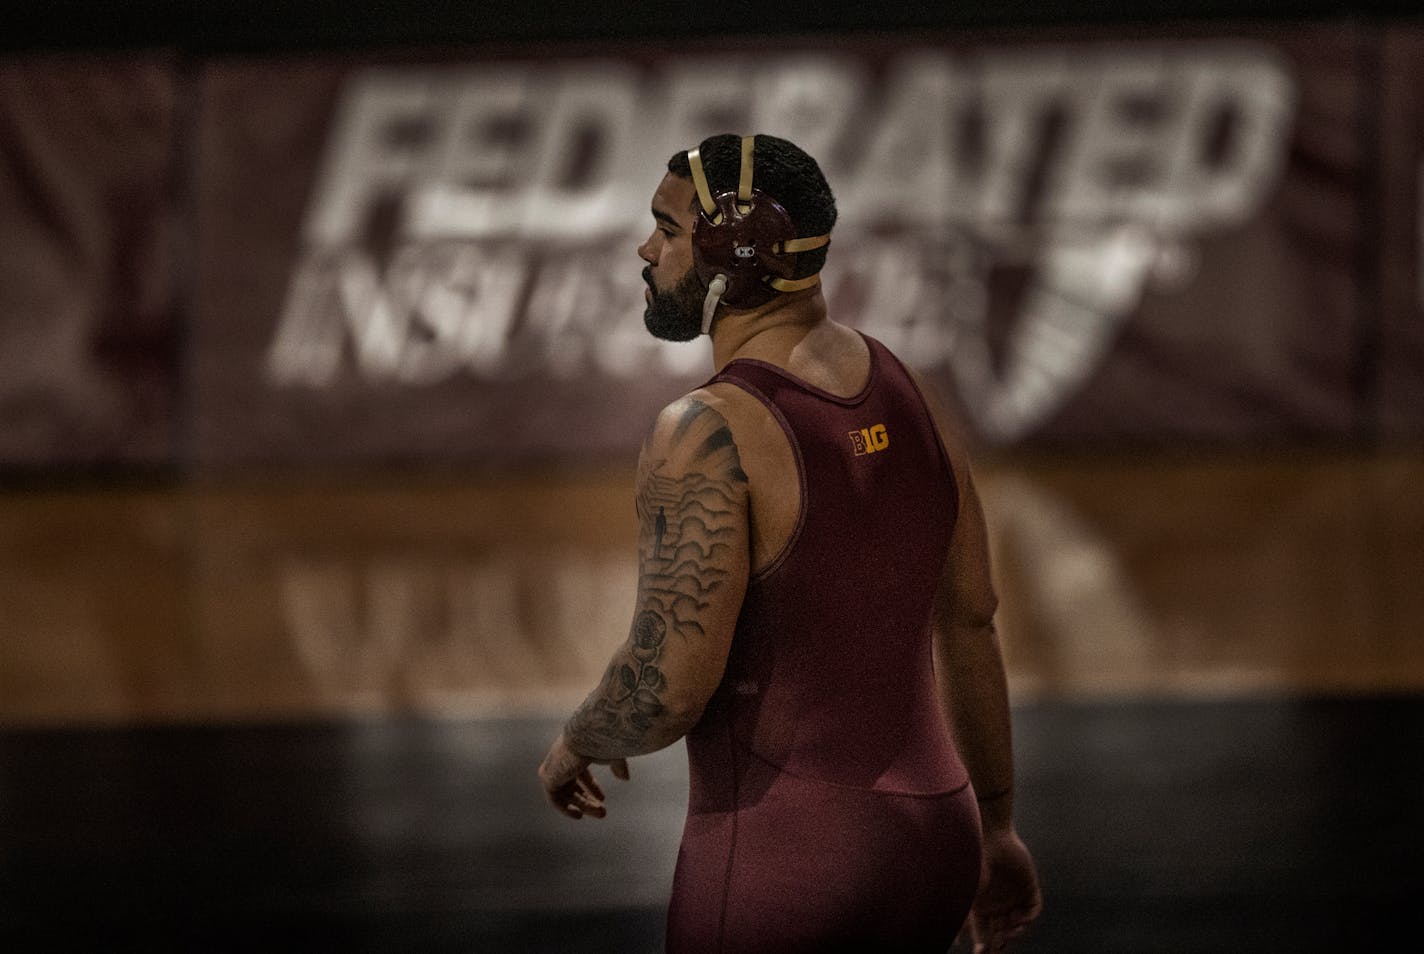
(675, 315)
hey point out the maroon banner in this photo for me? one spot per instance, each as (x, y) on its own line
(1082, 240)
(1242, 325)
(88, 167)
(1400, 343)
(87, 333)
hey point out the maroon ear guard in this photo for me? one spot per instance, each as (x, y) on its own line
(744, 243)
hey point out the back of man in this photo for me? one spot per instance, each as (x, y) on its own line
(828, 808)
(814, 609)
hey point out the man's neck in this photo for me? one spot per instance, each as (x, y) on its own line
(776, 327)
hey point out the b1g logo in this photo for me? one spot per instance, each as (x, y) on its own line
(868, 440)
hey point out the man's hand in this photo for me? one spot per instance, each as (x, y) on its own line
(1009, 899)
(568, 783)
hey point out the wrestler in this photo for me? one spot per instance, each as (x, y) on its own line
(814, 614)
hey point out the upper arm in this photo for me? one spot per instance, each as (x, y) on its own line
(965, 598)
(693, 552)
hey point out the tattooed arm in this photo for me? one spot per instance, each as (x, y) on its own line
(693, 557)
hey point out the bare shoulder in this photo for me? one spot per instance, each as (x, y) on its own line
(718, 412)
(693, 431)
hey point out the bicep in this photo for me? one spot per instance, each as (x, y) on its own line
(966, 597)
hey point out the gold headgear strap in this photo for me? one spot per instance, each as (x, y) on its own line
(794, 284)
(699, 180)
(802, 244)
(744, 184)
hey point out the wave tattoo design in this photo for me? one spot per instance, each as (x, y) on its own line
(691, 510)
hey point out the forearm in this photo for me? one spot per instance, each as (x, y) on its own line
(976, 702)
(629, 713)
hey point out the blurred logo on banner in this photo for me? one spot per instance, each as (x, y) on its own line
(1002, 212)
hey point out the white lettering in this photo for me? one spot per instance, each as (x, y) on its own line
(304, 351)
(580, 183)
(1242, 102)
(1172, 136)
(387, 139)
(912, 170)
(1116, 155)
(436, 311)
(489, 146)
(1089, 167)
(1026, 98)
(463, 300)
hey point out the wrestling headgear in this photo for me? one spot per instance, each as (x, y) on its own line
(744, 243)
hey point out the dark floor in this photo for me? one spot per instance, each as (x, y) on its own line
(1291, 825)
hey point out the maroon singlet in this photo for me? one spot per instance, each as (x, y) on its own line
(828, 808)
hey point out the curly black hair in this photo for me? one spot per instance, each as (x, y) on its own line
(784, 172)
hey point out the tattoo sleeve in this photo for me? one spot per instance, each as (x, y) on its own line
(692, 505)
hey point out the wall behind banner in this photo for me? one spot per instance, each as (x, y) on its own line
(333, 258)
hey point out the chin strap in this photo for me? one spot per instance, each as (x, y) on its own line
(715, 290)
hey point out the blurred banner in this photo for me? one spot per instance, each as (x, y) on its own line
(1084, 241)
(1401, 227)
(88, 163)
